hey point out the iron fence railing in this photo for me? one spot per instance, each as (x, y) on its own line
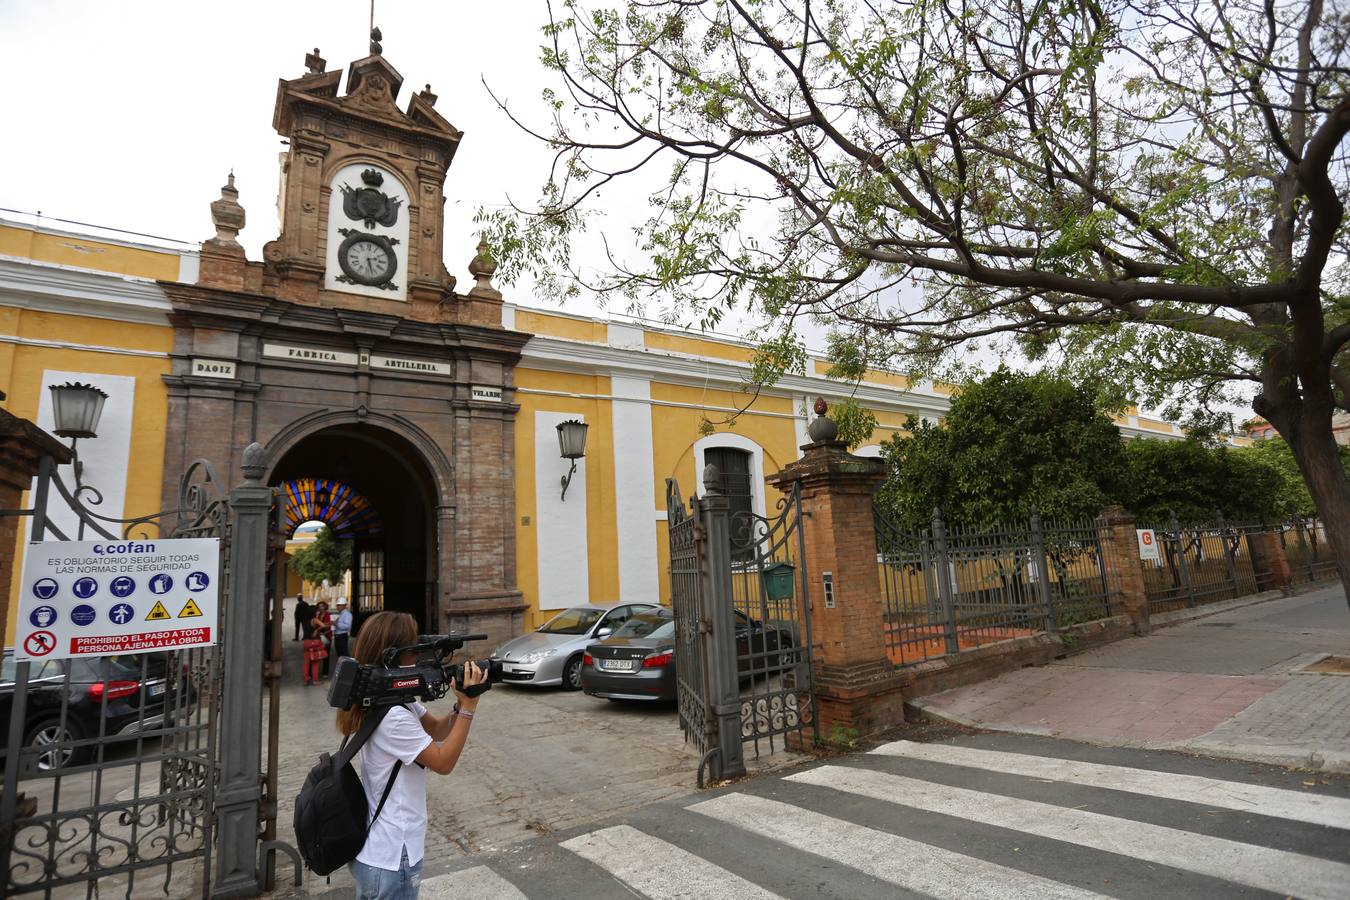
(1307, 550)
(950, 589)
(1208, 562)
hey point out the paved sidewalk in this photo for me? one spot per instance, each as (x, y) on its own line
(1224, 685)
(539, 760)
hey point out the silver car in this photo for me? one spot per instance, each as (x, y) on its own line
(552, 655)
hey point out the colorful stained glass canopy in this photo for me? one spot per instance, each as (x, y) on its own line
(334, 503)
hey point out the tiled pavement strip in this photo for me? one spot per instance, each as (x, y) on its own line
(1222, 685)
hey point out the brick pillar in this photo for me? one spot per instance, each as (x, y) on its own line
(856, 687)
(1269, 563)
(1124, 568)
(22, 446)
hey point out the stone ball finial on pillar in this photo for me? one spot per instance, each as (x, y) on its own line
(822, 428)
(482, 267)
(712, 479)
(227, 215)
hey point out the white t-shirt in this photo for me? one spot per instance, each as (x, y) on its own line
(404, 818)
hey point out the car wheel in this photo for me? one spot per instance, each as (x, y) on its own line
(48, 732)
(571, 677)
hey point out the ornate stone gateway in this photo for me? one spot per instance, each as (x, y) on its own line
(348, 354)
(743, 651)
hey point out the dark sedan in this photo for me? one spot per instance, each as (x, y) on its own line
(103, 696)
(637, 662)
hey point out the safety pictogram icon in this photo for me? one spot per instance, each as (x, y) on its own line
(39, 643)
(190, 610)
(159, 612)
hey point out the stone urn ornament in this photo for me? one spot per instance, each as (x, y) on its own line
(822, 428)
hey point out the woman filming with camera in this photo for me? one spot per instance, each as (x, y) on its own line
(408, 742)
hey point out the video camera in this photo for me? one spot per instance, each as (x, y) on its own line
(390, 684)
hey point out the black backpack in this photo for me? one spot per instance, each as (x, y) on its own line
(330, 811)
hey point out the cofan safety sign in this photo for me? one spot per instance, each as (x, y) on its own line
(98, 598)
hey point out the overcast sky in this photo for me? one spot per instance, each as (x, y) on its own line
(130, 113)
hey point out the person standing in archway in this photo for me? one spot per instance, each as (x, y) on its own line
(302, 613)
(342, 629)
(316, 644)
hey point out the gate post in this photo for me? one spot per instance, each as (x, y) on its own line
(855, 683)
(1120, 556)
(240, 725)
(725, 682)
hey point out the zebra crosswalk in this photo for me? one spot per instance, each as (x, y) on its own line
(948, 820)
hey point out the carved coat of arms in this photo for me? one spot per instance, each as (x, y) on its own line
(369, 204)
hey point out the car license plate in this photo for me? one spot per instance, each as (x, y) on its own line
(155, 690)
(618, 665)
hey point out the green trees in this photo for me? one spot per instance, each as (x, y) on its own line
(1010, 444)
(1196, 480)
(1146, 195)
(1014, 442)
(326, 559)
(1291, 496)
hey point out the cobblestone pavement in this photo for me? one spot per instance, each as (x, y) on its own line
(538, 761)
(1225, 685)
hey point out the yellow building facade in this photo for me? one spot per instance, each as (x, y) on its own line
(78, 307)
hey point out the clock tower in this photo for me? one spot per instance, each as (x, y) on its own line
(362, 199)
(349, 355)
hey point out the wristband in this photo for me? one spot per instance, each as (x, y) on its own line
(464, 714)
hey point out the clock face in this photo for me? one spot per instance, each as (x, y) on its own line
(367, 259)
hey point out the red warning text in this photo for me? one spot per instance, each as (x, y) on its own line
(127, 643)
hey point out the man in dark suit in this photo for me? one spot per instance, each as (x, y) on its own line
(303, 612)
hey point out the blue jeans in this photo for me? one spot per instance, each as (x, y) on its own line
(384, 884)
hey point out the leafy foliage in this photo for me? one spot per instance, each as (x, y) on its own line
(1291, 496)
(324, 559)
(1148, 195)
(1197, 481)
(1011, 444)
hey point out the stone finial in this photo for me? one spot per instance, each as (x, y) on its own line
(315, 63)
(482, 267)
(375, 38)
(427, 96)
(712, 479)
(822, 428)
(227, 215)
(254, 462)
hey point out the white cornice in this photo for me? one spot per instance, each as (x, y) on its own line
(89, 348)
(47, 287)
(597, 359)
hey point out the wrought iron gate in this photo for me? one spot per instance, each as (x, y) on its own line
(120, 783)
(743, 626)
(111, 781)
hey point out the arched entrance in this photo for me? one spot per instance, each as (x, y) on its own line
(373, 487)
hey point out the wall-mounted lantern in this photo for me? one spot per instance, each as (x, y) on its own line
(76, 409)
(571, 445)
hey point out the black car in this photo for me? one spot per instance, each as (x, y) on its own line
(103, 697)
(637, 662)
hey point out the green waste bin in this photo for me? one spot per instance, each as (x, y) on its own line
(778, 580)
